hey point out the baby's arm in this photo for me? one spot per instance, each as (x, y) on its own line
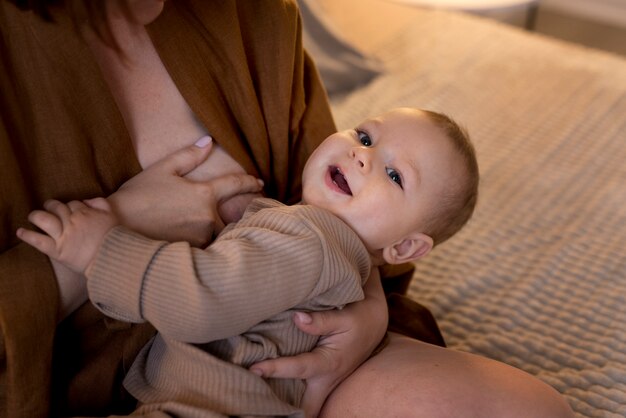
(72, 232)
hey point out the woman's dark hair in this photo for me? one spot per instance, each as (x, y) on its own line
(91, 11)
(39, 7)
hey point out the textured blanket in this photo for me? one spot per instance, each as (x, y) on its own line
(538, 277)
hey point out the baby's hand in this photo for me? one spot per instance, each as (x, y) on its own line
(72, 232)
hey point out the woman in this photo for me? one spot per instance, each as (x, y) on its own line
(99, 92)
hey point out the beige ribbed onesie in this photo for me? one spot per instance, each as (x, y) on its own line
(221, 309)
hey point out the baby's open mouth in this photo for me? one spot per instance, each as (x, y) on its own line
(338, 178)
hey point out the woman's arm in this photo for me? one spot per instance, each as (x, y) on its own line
(349, 337)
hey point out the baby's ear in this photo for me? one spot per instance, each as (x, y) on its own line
(411, 248)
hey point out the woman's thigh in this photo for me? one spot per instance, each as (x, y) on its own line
(413, 379)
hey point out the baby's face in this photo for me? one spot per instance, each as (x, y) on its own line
(383, 178)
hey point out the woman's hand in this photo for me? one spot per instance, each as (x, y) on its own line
(161, 204)
(348, 338)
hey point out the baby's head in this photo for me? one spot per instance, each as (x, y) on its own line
(405, 181)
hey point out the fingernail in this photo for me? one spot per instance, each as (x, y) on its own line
(204, 141)
(304, 318)
(261, 182)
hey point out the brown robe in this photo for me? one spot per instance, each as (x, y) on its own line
(242, 70)
(62, 136)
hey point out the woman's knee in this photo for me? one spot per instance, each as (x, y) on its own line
(409, 378)
(501, 390)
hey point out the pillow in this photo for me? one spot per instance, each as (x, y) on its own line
(341, 66)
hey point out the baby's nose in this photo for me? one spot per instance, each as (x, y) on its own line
(361, 157)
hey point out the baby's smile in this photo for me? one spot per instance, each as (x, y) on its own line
(339, 180)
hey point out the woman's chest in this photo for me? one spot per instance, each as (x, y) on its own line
(158, 118)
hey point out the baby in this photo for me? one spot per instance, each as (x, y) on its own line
(387, 191)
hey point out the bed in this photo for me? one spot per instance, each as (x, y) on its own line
(537, 279)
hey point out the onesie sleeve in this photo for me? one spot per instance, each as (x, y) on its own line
(195, 295)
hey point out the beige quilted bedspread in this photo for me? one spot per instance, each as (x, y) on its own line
(538, 277)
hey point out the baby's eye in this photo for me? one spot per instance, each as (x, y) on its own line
(394, 176)
(364, 138)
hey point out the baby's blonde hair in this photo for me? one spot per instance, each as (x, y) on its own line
(458, 201)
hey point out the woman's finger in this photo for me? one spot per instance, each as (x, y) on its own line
(185, 160)
(301, 366)
(316, 367)
(231, 185)
(321, 322)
